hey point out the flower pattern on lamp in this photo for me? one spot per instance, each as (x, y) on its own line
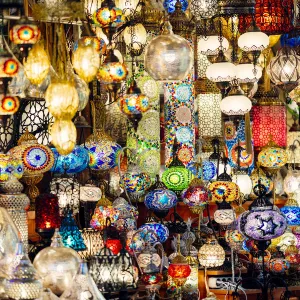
(101, 213)
(75, 162)
(161, 231)
(103, 151)
(108, 17)
(234, 138)
(234, 238)
(195, 196)
(268, 120)
(135, 182)
(224, 189)
(160, 199)
(24, 32)
(8, 105)
(9, 165)
(9, 67)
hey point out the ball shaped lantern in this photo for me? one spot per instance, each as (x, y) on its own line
(253, 40)
(37, 159)
(234, 238)
(160, 200)
(196, 196)
(98, 44)
(272, 157)
(160, 230)
(10, 165)
(224, 189)
(101, 215)
(291, 211)
(179, 270)
(168, 57)
(73, 163)
(63, 136)
(57, 265)
(243, 180)
(211, 254)
(8, 105)
(86, 61)
(62, 99)
(210, 45)
(135, 38)
(204, 9)
(284, 69)
(278, 265)
(290, 183)
(103, 151)
(262, 222)
(225, 216)
(134, 103)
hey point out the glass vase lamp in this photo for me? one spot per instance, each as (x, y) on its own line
(211, 255)
(93, 241)
(57, 265)
(24, 282)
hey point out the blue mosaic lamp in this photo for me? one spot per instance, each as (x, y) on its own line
(75, 162)
(70, 234)
(160, 200)
(169, 5)
(291, 211)
(155, 232)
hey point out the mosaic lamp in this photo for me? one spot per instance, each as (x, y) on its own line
(133, 104)
(72, 163)
(203, 9)
(176, 177)
(284, 69)
(272, 157)
(157, 231)
(224, 215)
(37, 159)
(262, 222)
(8, 105)
(221, 190)
(259, 174)
(160, 200)
(70, 234)
(168, 57)
(291, 211)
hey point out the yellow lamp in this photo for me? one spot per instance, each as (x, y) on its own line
(63, 136)
(86, 62)
(62, 99)
(37, 64)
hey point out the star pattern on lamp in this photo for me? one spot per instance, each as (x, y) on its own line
(267, 226)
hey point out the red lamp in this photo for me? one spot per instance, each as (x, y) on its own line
(114, 245)
(269, 120)
(179, 271)
(271, 16)
(47, 216)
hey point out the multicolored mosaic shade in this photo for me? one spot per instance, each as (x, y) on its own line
(269, 120)
(180, 120)
(234, 138)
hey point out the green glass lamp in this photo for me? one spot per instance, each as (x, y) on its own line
(176, 177)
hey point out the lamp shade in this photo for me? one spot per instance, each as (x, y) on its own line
(272, 157)
(221, 71)
(8, 105)
(248, 72)
(168, 57)
(37, 159)
(24, 32)
(224, 217)
(10, 165)
(9, 67)
(211, 255)
(204, 9)
(291, 211)
(235, 105)
(179, 271)
(253, 41)
(210, 45)
(161, 231)
(103, 151)
(108, 16)
(160, 199)
(224, 189)
(75, 162)
(47, 212)
(93, 241)
(284, 68)
(244, 182)
(291, 182)
(135, 36)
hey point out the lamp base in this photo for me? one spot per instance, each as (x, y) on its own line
(46, 235)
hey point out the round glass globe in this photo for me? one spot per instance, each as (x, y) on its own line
(168, 57)
(210, 45)
(244, 182)
(248, 73)
(211, 254)
(290, 183)
(221, 71)
(235, 105)
(253, 41)
(203, 9)
(136, 35)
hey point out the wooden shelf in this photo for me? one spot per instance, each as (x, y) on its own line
(220, 272)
